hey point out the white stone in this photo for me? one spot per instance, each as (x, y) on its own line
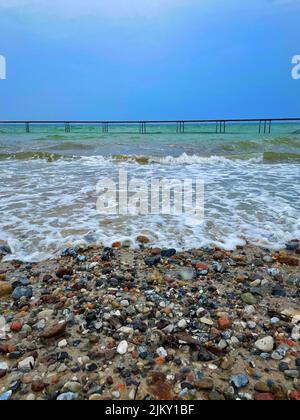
(162, 352)
(62, 344)
(265, 344)
(182, 324)
(72, 387)
(222, 345)
(234, 341)
(62, 368)
(251, 325)
(83, 360)
(3, 366)
(296, 333)
(122, 347)
(255, 283)
(46, 314)
(116, 395)
(212, 367)
(249, 310)
(200, 311)
(126, 330)
(26, 364)
(207, 321)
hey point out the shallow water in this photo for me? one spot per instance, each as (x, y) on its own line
(48, 185)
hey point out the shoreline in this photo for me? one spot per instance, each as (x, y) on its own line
(110, 324)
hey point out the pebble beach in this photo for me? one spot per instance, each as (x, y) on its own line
(151, 324)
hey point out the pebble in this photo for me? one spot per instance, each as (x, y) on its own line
(268, 259)
(6, 396)
(126, 331)
(296, 333)
(279, 353)
(26, 364)
(279, 291)
(168, 253)
(62, 272)
(292, 374)
(203, 355)
(265, 345)
(204, 385)
(239, 381)
(3, 366)
(62, 344)
(282, 367)
(186, 274)
(68, 396)
(122, 347)
(161, 352)
(263, 397)
(5, 289)
(37, 387)
(182, 324)
(153, 261)
(73, 387)
(249, 299)
(16, 326)
(20, 292)
(55, 330)
(46, 314)
(116, 395)
(261, 387)
(273, 272)
(206, 321)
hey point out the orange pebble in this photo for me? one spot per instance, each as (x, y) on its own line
(116, 245)
(159, 360)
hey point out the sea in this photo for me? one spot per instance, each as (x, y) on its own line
(48, 186)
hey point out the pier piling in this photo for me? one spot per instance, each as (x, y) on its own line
(180, 127)
(67, 127)
(221, 127)
(104, 127)
(142, 127)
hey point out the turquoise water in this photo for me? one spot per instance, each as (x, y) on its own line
(241, 140)
(48, 184)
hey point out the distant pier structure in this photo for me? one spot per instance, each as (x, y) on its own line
(219, 126)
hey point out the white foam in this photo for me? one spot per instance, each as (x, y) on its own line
(46, 206)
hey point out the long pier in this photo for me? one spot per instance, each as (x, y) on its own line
(221, 125)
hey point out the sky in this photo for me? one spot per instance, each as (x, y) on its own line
(149, 59)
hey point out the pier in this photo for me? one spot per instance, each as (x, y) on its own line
(264, 125)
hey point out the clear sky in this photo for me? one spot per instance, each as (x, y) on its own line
(149, 59)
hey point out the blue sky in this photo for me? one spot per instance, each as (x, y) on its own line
(120, 59)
